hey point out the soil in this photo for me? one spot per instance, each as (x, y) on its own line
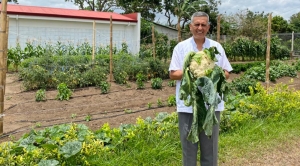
(122, 105)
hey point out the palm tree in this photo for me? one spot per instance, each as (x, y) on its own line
(184, 8)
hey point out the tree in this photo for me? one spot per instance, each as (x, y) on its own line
(95, 5)
(211, 8)
(295, 22)
(280, 25)
(147, 8)
(250, 24)
(181, 9)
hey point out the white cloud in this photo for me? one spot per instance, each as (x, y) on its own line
(49, 3)
(284, 8)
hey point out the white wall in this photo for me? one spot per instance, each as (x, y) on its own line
(171, 33)
(42, 30)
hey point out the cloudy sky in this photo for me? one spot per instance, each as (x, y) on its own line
(284, 8)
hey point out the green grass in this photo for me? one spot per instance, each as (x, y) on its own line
(247, 143)
(258, 137)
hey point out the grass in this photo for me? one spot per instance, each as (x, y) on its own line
(239, 147)
(258, 138)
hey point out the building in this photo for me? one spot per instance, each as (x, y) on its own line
(44, 25)
(171, 32)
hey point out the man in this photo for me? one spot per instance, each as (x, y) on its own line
(208, 146)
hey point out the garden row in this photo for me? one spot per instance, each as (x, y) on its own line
(148, 142)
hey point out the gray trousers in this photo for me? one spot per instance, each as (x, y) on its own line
(208, 146)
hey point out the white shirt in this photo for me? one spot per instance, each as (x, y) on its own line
(180, 51)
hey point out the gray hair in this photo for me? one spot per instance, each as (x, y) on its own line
(200, 14)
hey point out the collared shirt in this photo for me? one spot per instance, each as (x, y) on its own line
(180, 51)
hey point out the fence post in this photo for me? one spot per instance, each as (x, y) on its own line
(153, 41)
(292, 46)
(2, 58)
(111, 52)
(94, 43)
(218, 28)
(5, 53)
(268, 53)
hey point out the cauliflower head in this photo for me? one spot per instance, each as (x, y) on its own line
(201, 64)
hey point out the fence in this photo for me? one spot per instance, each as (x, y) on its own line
(290, 40)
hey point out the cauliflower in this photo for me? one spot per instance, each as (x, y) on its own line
(201, 64)
(200, 70)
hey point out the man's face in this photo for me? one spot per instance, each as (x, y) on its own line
(199, 27)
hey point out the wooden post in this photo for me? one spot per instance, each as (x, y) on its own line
(268, 53)
(2, 57)
(292, 46)
(218, 28)
(94, 43)
(153, 41)
(5, 53)
(111, 52)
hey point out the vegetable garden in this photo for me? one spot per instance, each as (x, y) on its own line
(73, 115)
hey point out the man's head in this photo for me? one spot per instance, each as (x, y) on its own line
(199, 25)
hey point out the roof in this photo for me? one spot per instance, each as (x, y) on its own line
(68, 13)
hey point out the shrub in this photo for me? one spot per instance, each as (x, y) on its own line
(40, 95)
(140, 78)
(104, 86)
(172, 100)
(172, 83)
(241, 85)
(156, 83)
(64, 93)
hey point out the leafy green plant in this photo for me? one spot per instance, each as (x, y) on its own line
(128, 111)
(64, 93)
(73, 116)
(88, 118)
(104, 86)
(140, 78)
(160, 102)
(149, 105)
(172, 83)
(156, 83)
(40, 95)
(172, 100)
(241, 85)
(120, 77)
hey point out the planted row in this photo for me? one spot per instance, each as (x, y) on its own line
(245, 49)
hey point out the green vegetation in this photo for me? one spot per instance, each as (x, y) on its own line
(265, 120)
(64, 93)
(40, 95)
(156, 83)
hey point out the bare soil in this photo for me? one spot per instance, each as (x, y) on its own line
(122, 105)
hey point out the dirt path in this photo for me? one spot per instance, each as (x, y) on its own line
(122, 105)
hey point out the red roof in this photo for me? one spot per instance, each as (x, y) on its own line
(67, 13)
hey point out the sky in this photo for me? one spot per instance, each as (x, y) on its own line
(284, 8)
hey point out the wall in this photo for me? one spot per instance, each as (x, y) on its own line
(45, 30)
(170, 32)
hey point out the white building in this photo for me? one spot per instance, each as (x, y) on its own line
(44, 25)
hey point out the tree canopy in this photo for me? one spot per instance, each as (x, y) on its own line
(295, 22)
